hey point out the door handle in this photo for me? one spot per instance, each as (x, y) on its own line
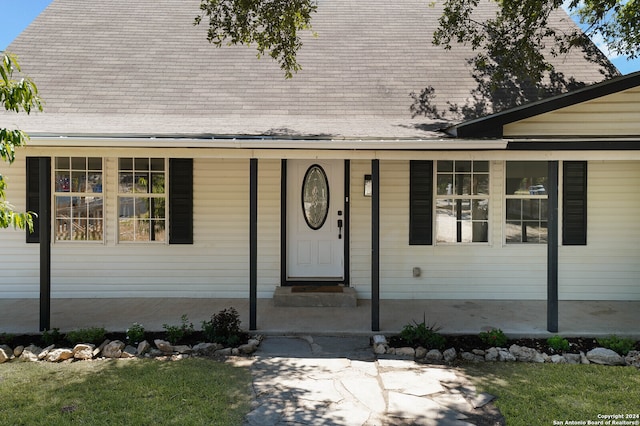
(339, 229)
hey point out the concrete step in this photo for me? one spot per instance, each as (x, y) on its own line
(285, 297)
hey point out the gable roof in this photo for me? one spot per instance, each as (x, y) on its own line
(117, 67)
(492, 126)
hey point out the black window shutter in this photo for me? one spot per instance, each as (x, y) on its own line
(33, 197)
(421, 203)
(574, 204)
(180, 201)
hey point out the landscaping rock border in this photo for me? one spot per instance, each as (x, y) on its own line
(116, 349)
(514, 353)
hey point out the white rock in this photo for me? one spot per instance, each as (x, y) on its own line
(5, 353)
(113, 349)
(605, 357)
(182, 349)
(380, 348)
(58, 355)
(434, 355)
(83, 351)
(572, 358)
(143, 348)
(421, 352)
(525, 354)
(379, 339)
(17, 351)
(633, 359)
(30, 353)
(128, 352)
(470, 356)
(450, 355)
(491, 354)
(164, 346)
(406, 351)
(558, 359)
(43, 354)
(247, 348)
(505, 356)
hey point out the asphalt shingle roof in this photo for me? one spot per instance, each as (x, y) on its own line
(142, 67)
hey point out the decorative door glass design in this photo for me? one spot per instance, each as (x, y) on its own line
(315, 197)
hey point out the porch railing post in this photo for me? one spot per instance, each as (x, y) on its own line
(44, 215)
(253, 242)
(375, 245)
(552, 249)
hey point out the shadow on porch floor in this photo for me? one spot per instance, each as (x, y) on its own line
(515, 318)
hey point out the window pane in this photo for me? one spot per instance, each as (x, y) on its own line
(125, 184)
(445, 184)
(95, 182)
(62, 181)
(531, 209)
(157, 208)
(463, 184)
(79, 163)
(94, 163)
(481, 166)
(480, 209)
(513, 232)
(157, 164)
(125, 164)
(63, 163)
(526, 178)
(445, 221)
(157, 183)
(95, 232)
(480, 184)
(141, 164)
(78, 181)
(514, 209)
(158, 230)
(445, 166)
(141, 182)
(480, 232)
(463, 166)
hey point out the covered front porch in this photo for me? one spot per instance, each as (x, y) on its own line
(517, 318)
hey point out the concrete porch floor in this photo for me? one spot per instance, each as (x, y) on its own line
(515, 318)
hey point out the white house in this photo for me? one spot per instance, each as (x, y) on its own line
(165, 167)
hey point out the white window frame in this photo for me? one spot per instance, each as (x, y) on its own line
(524, 196)
(438, 198)
(142, 195)
(84, 189)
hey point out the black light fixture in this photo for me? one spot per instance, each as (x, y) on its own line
(368, 186)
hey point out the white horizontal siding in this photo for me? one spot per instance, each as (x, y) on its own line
(612, 115)
(608, 267)
(217, 264)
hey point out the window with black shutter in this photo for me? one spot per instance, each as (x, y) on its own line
(421, 203)
(574, 203)
(180, 201)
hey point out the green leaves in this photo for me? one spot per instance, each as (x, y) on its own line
(15, 95)
(272, 25)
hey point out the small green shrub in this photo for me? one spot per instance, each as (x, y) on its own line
(135, 333)
(224, 328)
(50, 337)
(6, 338)
(493, 338)
(421, 334)
(558, 344)
(175, 333)
(95, 335)
(615, 343)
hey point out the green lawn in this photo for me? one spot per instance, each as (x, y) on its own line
(119, 392)
(538, 394)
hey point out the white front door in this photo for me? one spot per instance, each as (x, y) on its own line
(315, 220)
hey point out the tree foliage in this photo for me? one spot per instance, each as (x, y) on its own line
(272, 25)
(17, 96)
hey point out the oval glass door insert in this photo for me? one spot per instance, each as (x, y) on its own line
(315, 197)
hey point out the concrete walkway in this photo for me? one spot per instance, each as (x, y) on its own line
(515, 317)
(324, 380)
